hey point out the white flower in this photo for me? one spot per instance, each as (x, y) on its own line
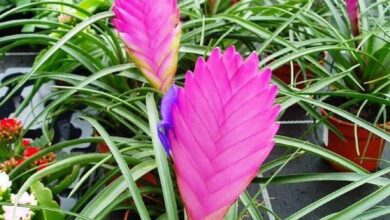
(20, 213)
(5, 183)
(25, 199)
(17, 213)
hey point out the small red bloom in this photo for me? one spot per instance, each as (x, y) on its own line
(26, 143)
(10, 129)
(42, 164)
(30, 151)
(19, 161)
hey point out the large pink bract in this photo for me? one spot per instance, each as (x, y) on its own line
(223, 124)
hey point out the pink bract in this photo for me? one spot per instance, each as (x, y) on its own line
(224, 121)
(151, 32)
(353, 14)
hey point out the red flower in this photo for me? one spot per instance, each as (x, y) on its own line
(10, 129)
(26, 143)
(42, 164)
(30, 151)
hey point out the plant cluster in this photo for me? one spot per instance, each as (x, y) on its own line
(182, 99)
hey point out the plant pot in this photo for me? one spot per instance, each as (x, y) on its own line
(370, 145)
(284, 74)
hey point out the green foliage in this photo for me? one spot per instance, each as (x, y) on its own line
(369, 50)
(45, 198)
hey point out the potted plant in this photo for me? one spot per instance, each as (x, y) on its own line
(293, 74)
(290, 26)
(214, 6)
(364, 92)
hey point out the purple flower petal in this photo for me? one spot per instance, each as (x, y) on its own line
(165, 124)
(162, 129)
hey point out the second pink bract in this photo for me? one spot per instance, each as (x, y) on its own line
(353, 14)
(151, 32)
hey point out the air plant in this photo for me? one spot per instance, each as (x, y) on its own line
(151, 33)
(368, 46)
(213, 6)
(219, 129)
(353, 15)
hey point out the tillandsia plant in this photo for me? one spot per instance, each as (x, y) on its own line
(204, 122)
(114, 181)
(219, 129)
(151, 32)
(367, 45)
(214, 6)
(353, 16)
(362, 50)
(364, 35)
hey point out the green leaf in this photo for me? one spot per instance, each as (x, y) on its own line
(314, 88)
(336, 194)
(320, 151)
(40, 207)
(40, 142)
(45, 198)
(52, 148)
(134, 191)
(54, 49)
(67, 181)
(317, 177)
(364, 204)
(110, 193)
(374, 213)
(89, 5)
(232, 212)
(161, 160)
(360, 122)
(246, 200)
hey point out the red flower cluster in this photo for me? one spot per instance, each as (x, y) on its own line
(31, 151)
(10, 129)
(28, 152)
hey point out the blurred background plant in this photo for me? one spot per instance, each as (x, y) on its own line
(80, 51)
(359, 36)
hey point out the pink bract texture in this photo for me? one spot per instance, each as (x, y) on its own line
(223, 124)
(151, 32)
(353, 14)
